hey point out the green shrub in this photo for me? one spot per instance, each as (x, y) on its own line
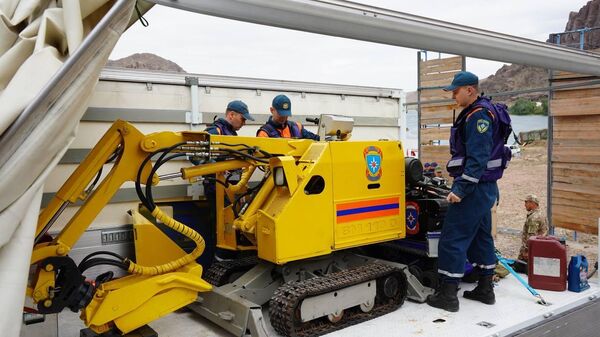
(527, 107)
(544, 106)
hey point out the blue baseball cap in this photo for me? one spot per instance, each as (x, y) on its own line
(283, 105)
(462, 79)
(240, 107)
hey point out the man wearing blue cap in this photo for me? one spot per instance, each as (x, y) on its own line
(478, 160)
(278, 125)
(236, 115)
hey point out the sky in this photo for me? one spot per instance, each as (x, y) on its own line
(208, 45)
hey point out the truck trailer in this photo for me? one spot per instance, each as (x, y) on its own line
(169, 281)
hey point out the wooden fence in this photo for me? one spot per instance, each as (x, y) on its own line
(435, 117)
(575, 154)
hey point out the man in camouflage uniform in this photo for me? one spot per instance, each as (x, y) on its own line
(535, 224)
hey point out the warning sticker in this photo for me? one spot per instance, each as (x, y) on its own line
(546, 266)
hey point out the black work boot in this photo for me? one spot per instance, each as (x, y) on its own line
(484, 292)
(445, 297)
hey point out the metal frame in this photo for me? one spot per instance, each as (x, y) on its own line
(379, 25)
(557, 37)
(524, 91)
(194, 116)
(419, 102)
(549, 155)
(402, 132)
(218, 81)
(99, 114)
(28, 120)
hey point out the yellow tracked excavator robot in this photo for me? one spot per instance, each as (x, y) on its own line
(314, 203)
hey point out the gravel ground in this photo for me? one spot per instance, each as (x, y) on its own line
(528, 174)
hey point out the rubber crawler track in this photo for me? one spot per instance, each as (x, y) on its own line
(219, 272)
(284, 307)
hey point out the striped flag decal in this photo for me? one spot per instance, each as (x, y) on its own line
(361, 210)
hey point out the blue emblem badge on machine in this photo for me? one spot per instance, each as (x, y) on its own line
(373, 157)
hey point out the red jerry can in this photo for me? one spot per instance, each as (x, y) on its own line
(547, 263)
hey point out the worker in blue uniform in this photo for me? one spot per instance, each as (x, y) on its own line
(236, 115)
(278, 125)
(478, 160)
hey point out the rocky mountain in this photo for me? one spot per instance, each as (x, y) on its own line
(587, 17)
(146, 61)
(517, 77)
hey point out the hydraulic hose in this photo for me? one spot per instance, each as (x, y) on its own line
(246, 174)
(134, 268)
(175, 225)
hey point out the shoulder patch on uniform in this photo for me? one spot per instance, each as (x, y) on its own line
(482, 125)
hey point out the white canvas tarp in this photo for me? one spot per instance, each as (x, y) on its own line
(51, 54)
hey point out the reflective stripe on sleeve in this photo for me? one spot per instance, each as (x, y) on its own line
(455, 162)
(494, 163)
(489, 266)
(471, 179)
(449, 274)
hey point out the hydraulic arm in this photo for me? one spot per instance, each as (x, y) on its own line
(148, 292)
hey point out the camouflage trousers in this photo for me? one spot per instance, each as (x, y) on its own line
(523, 253)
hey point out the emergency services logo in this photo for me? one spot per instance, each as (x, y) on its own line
(373, 157)
(412, 218)
(482, 125)
(285, 106)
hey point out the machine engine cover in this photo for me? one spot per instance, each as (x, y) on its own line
(431, 214)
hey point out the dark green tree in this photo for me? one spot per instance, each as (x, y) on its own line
(523, 107)
(527, 107)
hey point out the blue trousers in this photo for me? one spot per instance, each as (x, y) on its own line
(467, 234)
